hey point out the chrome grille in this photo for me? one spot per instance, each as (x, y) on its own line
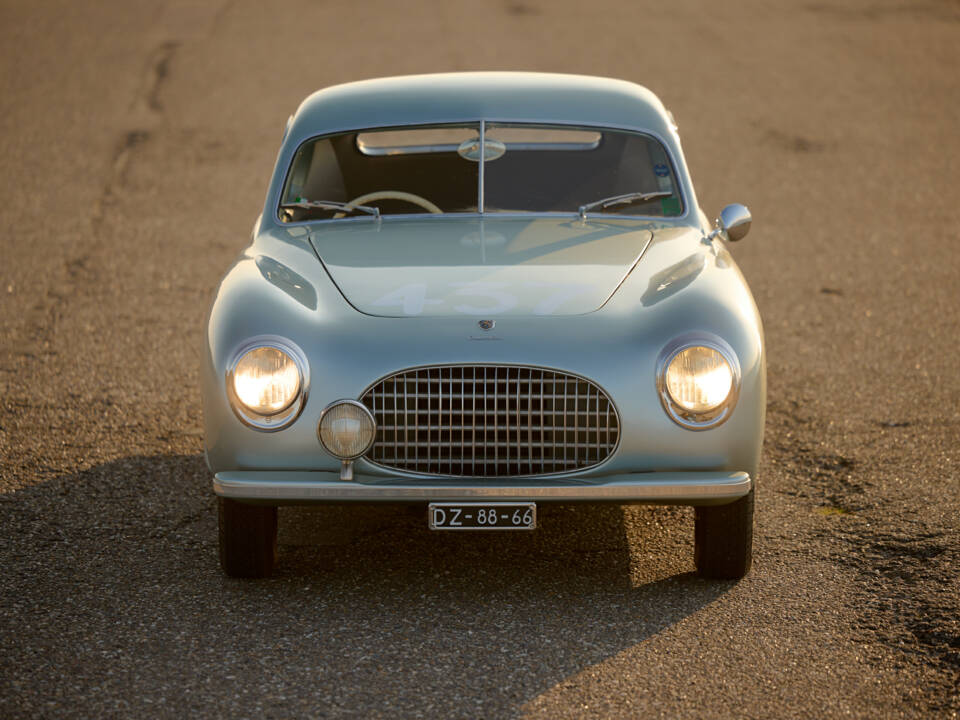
(490, 421)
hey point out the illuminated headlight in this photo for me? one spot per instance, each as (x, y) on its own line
(267, 385)
(346, 429)
(266, 380)
(698, 382)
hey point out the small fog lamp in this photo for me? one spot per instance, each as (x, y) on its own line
(346, 429)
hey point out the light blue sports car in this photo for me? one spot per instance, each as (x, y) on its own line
(479, 292)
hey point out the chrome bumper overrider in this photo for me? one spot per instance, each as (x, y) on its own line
(681, 488)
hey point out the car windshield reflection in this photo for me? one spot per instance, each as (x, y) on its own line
(438, 170)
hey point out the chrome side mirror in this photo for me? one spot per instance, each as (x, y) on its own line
(734, 222)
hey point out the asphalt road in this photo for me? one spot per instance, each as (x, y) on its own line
(136, 140)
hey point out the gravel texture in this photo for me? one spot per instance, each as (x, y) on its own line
(137, 139)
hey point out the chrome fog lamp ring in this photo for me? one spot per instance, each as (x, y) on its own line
(358, 419)
(288, 410)
(714, 413)
(346, 429)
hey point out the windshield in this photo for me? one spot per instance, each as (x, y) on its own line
(438, 170)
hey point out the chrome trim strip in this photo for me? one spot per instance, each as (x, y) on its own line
(481, 179)
(404, 149)
(636, 262)
(451, 148)
(682, 488)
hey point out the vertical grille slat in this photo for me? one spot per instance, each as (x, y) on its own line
(463, 430)
(506, 408)
(406, 410)
(490, 421)
(576, 413)
(496, 418)
(597, 426)
(543, 440)
(429, 419)
(482, 445)
(473, 423)
(393, 412)
(564, 413)
(529, 422)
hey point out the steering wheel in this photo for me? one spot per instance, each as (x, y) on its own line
(392, 195)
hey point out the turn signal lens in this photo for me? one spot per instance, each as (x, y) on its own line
(346, 429)
(266, 380)
(699, 379)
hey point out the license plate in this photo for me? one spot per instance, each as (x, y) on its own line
(482, 516)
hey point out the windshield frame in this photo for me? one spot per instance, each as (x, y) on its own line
(675, 166)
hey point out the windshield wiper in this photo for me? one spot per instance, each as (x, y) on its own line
(304, 204)
(622, 200)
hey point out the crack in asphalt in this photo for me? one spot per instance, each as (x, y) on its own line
(43, 318)
(148, 101)
(158, 70)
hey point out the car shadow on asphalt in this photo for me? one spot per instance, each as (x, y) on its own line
(112, 572)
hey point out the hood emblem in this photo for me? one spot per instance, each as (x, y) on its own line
(487, 324)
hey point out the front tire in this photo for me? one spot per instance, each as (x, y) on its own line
(723, 540)
(248, 538)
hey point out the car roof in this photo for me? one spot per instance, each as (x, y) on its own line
(471, 96)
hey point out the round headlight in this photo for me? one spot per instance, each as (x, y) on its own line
(699, 379)
(266, 380)
(346, 429)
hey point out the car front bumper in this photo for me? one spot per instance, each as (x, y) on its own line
(301, 487)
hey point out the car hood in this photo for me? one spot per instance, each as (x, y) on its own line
(482, 267)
